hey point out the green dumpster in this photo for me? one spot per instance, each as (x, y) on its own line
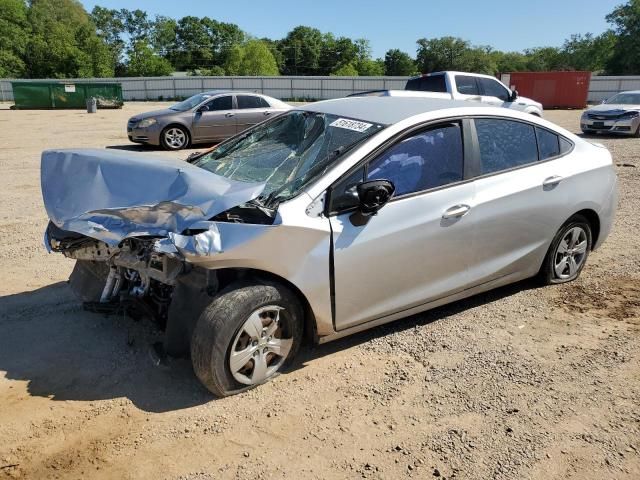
(47, 95)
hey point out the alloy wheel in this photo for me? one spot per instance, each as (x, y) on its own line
(570, 253)
(175, 138)
(259, 349)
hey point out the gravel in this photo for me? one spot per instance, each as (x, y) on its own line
(521, 382)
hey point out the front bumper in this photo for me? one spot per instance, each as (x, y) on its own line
(148, 135)
(627, 126)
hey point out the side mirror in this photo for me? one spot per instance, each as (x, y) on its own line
(514, 95)
(203, 108)
(374, 195)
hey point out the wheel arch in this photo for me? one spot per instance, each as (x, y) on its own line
(228, 276)
(175, 123)
(594, 222)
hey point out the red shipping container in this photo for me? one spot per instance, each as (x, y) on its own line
(553, 89)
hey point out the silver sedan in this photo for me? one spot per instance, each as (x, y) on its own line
(207, 117)
(326, 221)
(619, 114)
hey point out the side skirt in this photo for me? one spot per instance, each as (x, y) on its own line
(499, 282)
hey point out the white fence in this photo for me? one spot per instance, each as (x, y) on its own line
(603, 87)
(159, 88)
(311, 88)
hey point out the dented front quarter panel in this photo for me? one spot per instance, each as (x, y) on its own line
(296, 247)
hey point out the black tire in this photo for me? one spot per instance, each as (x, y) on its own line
(168, 146)
(219, 324)
(637, 134)
(548, 274)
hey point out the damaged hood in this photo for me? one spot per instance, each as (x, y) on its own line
(110, 195)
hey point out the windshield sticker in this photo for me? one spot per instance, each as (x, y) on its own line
(354, 125)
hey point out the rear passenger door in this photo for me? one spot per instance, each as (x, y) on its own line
(250, 110)
(521, 197)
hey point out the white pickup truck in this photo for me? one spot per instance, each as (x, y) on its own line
(464, 86)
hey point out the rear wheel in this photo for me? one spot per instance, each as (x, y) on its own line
(568, 252)
(245, 337)
(174, 137)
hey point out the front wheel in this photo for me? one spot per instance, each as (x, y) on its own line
(245, 337)
(568, 252)
(174, 137)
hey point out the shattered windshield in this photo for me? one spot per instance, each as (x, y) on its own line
(287, 152)
(189, 103)
(625, 99)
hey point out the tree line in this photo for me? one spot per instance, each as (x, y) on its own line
(60, 39)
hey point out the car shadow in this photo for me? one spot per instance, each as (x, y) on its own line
(66, 353)
(421, 319)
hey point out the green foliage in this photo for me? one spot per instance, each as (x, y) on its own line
(253, 58)
(64, 43)
(214, 71)
(625, 58)
(302, 48)
(144, 62)
(588, 52)
(257, 59)
(348, 70)
(58, 39)
(14, 37)
(451, 53)
(397, 62)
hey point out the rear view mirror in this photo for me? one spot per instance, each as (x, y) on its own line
(374, 195)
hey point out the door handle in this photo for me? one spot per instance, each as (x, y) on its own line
(229, 115)
(551, 181)
(456, 211)
(267, 113)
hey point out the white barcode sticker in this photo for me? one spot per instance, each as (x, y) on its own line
(354, 125)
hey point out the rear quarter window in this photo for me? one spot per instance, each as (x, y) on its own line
(431, 83)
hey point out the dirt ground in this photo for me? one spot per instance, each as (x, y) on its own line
(521, 382)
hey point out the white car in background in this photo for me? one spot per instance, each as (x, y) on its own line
(472, 87)
(619, 114)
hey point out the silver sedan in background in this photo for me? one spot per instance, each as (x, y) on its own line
(328, 219)
(619, 114)
(207, 117)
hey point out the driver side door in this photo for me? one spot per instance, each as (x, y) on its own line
(215, 120)
(494, 93)
(417, 248)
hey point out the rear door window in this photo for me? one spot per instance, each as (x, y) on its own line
(505, 144)
(467, 85)
(492, 88)
(431, 83)
(249, 101)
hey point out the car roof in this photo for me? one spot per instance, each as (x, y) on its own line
(218, 92)
(455, 72)
(385, 110)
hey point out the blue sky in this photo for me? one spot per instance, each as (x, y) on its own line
(505, 25)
